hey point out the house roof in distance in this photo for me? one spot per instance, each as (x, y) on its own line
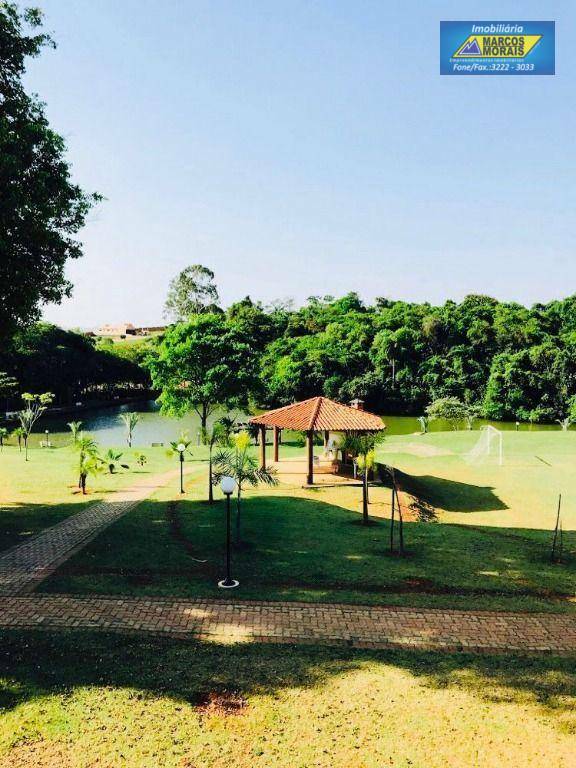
(318, 414)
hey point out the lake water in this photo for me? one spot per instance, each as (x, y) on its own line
(108, 430)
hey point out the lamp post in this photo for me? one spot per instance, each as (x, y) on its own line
(228, 486)
(181, 448)
(47, 439)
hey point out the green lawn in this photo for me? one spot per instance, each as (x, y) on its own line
(523, 493)
(40, 492)
(309, 545)
(489, 548)
(85, 700)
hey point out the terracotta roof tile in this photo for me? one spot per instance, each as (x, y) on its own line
(320, 413)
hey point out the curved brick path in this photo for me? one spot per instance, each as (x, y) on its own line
(255, 621)
(23, 566)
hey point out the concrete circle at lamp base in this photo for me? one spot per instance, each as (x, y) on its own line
(222, 584)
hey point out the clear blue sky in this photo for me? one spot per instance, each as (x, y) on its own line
(308, 147)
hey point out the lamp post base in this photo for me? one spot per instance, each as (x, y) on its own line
(225, 584)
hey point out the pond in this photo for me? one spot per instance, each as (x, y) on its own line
(107, 428)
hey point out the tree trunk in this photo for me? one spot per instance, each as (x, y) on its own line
(400, 525)
(238, 540)
(204, 418)
(210, 486)
(367, 486)
(83, 484)
(365, 497)
(392, 518)
(26, 447)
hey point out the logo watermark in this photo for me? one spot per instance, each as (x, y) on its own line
(497, 48)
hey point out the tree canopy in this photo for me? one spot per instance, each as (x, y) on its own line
(43, 357)
(500, 358)
(205, 363)
(190, 293)
(41, 209)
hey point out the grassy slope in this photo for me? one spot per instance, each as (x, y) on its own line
(43, 491)
(142, 703)
(309, 545)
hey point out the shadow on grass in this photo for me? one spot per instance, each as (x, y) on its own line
(305, 548)
(36, 664)
(21, 521)
(451, 495)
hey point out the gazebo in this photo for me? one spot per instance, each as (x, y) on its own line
(318, 414)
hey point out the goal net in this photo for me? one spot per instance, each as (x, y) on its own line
(488, 445)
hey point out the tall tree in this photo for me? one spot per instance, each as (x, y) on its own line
(41, 210)
(192, 292)
(202, 365)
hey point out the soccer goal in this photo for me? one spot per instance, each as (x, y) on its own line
(489, 444)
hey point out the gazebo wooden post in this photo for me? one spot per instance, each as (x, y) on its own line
(310, 447)
(263, 446)
(326, 439)
(276, 442)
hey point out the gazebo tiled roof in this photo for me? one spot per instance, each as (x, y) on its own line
(318, 414)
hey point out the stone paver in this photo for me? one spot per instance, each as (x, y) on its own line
(23, 566)
(282, 622)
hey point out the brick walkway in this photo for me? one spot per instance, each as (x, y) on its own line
(255, 621)
(23, 566)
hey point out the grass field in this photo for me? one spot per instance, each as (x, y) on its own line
(489, 549)
(40, 492)
(81, 700)
(86, 700)
(302, 544)
(523, 493)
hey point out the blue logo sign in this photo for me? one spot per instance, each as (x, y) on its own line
(497, 47)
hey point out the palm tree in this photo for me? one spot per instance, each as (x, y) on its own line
(89, 462)
(18, 433)
(130, 420)
(218, 435)
(362, 446)
(74, 427)
(241, 464)
(112, 460)
(3, 436)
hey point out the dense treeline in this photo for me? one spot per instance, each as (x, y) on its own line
(45, 358)
(510, 361)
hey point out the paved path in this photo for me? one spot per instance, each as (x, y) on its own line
(282, 622)
(23, 566)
